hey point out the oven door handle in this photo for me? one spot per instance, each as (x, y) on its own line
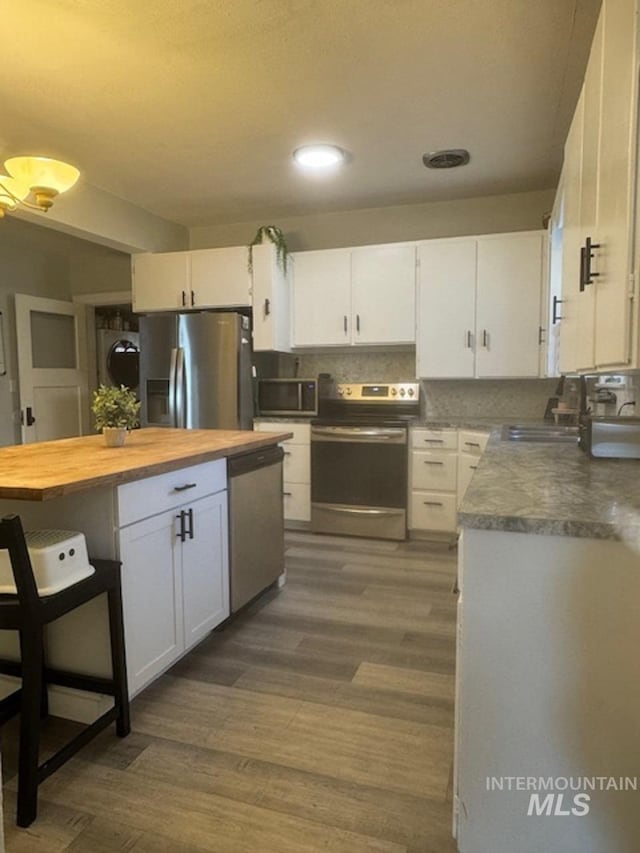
(357, 511)
(359, 434)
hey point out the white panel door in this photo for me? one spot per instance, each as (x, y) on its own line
(151, 597)
(220, 278)
(205, 567)
(509, 287)
(322, 298)
(161, 282)
(383, 302)
(565, 312)
(446, 309)
(51, 336)
(615, 187)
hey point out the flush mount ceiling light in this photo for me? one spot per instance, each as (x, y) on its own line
(318, 156)
(449, 158)
(41, 177)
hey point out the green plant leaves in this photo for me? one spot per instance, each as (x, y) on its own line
(115, 407)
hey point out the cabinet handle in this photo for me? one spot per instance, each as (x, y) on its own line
(472, 443)
(554, 314)
(193, 298)
(588, 255)
(344, 323)
(432, 503)
(184, 298)
(185, 487)
(473, 467)
(485, 338)
(358, 323)
(434, 440)
(469, 339)
(541, 331)
(432, 462)
(190, 514)
(583, 267)
(267, 307)
(182, 535)
(287, 494)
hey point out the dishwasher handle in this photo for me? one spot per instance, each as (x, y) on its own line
(247, 462)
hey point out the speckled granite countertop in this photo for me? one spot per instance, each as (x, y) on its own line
(553, 489)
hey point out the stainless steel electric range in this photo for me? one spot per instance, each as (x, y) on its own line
(359, 464)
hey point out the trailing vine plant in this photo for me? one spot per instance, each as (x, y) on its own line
(274, 235)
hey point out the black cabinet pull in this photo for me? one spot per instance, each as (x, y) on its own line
(469, 339)
(185, 487)
(434, 440)
(193, 298)
(182, 534)
(287, 494)
(472, 443)
(485, 338)
(27, 417)
(541, 331)
(473, 467)
(358, 323)
(190, 531)
(588, 256)
(432, 462)
(267, 307)
(432, 503)
(184, 298)
(583, 267)
(555, 316)
(345, 323)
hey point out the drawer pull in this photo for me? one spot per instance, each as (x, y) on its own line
(185, 487)
(432, 503)
(287, 494)
(434, 440)
(473, 467)
(472, 443)
(430, 462)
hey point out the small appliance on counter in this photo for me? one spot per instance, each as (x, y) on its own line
(292, 397)
(615, 437)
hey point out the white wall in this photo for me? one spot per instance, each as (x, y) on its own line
(486, 215)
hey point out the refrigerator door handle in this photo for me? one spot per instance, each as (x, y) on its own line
(173, 415)
(181, 413)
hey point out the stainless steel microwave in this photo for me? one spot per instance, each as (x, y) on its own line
(289, 397)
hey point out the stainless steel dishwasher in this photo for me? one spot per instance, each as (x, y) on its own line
(256, 523)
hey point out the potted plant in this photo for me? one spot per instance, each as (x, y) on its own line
(116, 411)
(272, 234)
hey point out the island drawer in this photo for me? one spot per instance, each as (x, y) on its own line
(434, 439)
(153, 495)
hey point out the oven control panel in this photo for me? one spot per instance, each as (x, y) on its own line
(379, 392)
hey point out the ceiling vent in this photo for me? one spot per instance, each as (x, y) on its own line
(447, 159)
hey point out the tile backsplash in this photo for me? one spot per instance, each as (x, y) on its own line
(523, 398)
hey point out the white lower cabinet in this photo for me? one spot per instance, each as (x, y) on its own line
(433, 480)
(441, 465)
(175, 583)
(296, 468)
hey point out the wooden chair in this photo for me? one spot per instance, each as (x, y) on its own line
(28, 613)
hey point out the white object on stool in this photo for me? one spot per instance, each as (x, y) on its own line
(59, 559)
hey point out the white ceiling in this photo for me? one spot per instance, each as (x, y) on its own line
(191, 108)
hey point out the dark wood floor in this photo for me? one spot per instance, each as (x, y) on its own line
(320, 720)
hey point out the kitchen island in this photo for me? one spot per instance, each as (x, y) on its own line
(548, 670)
(159, 505)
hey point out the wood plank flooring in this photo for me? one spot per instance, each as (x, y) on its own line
(319, 720)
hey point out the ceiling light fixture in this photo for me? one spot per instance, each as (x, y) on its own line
(39, 176)
(318, 156)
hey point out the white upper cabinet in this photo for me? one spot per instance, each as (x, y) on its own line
(479, 306)
(509, 290)
(220, 278)
(271, 303)
(322, 298)
(206, 278)
(446, 309)
(599, 172)
(161, 282)
(363, 296)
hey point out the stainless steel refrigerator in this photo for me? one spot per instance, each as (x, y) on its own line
(195, 370)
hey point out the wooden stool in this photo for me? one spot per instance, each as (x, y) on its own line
(28, 612)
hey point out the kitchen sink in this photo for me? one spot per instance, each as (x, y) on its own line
(540, 432)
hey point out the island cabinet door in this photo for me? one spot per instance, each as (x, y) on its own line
(205, 567)
(150, 552)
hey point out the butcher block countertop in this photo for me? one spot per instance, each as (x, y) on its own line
(50, 469)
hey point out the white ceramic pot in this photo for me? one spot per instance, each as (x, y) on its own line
(114, 436)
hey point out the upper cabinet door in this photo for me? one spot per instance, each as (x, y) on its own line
(271, 301)
(220, 278)
(322, 298)
(446, 309)
(509, 286)
(161, 282)
(383, 284)
(612, 261)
